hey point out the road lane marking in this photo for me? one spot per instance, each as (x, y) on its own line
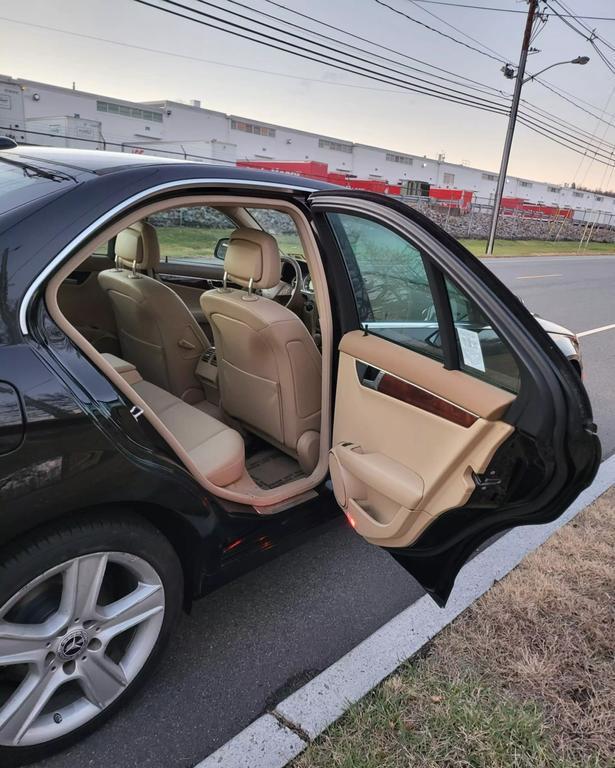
(596, 330)
(535, 277)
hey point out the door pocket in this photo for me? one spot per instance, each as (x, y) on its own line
(381, 497)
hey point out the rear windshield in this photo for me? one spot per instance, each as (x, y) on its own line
(21, 184)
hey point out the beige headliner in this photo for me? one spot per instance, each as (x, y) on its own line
(245, 491)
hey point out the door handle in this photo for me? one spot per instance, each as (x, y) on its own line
(369, 376)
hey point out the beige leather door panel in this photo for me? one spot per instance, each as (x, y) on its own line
(406, 446)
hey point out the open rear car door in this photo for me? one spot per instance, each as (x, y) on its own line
(456, 417)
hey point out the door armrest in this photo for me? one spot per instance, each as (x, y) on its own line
(386, 476)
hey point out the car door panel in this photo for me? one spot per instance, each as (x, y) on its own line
(446, 436)
(406, 460)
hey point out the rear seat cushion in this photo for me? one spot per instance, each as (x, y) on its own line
(216, 449)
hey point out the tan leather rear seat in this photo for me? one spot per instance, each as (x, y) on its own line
(216, 449)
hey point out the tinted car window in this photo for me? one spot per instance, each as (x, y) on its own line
(482, 353)
(390, 283)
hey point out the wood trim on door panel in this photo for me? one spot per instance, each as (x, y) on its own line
(420, 398)
(474, 395)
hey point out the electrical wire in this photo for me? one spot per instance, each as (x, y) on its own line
(482, 87)
(122, 145)
(459, 31)
(500, 10)
(317, 56)
(438, 31)
(379, 45)
(547, 129)
(560, 92)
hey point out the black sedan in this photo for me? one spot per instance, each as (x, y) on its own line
(198, 366)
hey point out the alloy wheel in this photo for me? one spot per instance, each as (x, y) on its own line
(72, 640)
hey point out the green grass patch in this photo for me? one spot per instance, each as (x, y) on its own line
(504, 248)
(425, 719)
(199, 242)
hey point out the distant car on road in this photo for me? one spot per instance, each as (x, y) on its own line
(181, 399)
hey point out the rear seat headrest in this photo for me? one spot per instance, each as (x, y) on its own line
(138, 246)
(252, 255)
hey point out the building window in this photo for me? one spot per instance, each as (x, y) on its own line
(259, 130)
(577, 194)
(526, 184)
(404, 159)
(555, 190)
(121, 109)
(448, 178)
(489, 177)
(338, 146)
(598, 198)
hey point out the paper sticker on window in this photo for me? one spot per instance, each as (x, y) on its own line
(471, 351)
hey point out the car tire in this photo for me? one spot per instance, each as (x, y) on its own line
(124, 579)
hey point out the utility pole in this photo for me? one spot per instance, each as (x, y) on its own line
(511, 123)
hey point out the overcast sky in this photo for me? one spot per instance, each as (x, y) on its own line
(314, 97)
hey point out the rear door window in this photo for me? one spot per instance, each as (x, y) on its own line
(190, 233)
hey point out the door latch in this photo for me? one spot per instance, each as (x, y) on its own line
(486, 482)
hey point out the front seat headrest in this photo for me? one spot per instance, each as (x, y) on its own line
(252, 255)
(137, 247)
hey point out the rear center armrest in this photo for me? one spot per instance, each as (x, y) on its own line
(127, 370)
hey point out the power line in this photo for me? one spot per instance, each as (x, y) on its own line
(322, 58)
(438, 31)
(560, 121)
(378, 45)
(564, 138)
(460, 31)
(500, 10)
(557, 91)
(568, 13)
(105, 143)
(591, 38)
(528, 104)
(570, 138)
(534, 35)
(320, 81)
(482, 87)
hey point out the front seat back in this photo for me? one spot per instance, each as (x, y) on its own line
(156, 330)
(269, 368)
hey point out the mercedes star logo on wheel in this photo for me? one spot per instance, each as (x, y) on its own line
(72, 645)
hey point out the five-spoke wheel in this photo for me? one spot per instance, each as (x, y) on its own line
(77, 634)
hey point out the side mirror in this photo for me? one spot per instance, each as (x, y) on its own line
(220, 249)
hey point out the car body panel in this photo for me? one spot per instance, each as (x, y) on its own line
(63, 393)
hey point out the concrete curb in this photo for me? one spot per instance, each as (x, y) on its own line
(275, 739)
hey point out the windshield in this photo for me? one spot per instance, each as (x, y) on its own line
(21, 184)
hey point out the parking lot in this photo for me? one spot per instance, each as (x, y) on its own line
(255, 640)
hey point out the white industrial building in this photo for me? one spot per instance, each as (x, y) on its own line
(39, 113)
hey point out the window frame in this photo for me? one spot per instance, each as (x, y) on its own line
(436, 278)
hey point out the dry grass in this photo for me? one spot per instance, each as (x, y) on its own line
(526, 677)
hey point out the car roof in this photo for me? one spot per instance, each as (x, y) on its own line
(100, 162)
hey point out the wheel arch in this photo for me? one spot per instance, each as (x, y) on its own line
(180, 534)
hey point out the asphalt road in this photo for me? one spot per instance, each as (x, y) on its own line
(255, 640)
(578, 293)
